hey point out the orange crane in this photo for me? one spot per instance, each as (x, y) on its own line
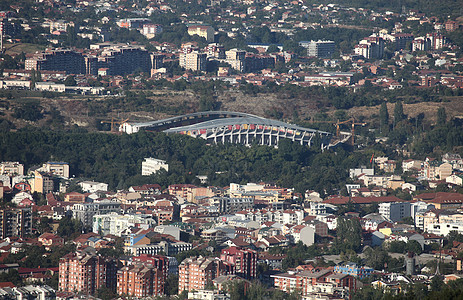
(353, 123)
(114, 122)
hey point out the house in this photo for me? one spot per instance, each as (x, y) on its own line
(50, 240)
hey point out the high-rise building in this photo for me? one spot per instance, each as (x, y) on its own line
(143, 276)
(243, 260)
(152, 165)
(86, 273)
(122, 60)
(157, 61)
(236, 58)
(15, 222)
(320, 48)
(140, 280)
(196, 272)
(85, 211)
(57, 60)
(194, 61)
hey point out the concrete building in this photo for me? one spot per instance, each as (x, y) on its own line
(124, 59)
(204, 31)
(196, 272)
(319, 48)
(140, 280)
(57, 60)
(395, 211)
(233, 205)
(86, 273)
(11, 168)
(167, 248)
(15, 222)
(236, 58)
(152, 165)
(244, 261)
(93, 187)
(151, 30)
(42, 183)
(354, 270)
(370, 47)
(85, 211)
(119, 225)
(194, 61)
(56, 168)
(157, 61)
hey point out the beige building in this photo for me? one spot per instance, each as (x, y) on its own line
(194, 61)
(42, 183)
(204, 31)
(56, 168)
(11, 168)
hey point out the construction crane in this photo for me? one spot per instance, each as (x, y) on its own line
(113, 123)
(353, 123)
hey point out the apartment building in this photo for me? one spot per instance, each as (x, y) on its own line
(233, 205)
(320, 281)
(92, 186)
(57, 60)
(86, 273)
(124, 59)
(119, 225)
(85, 211)
(204, 31)
(140, 280)
(168, 248)
(319, 48)
(194, 61)
(11, 168)
(236, 58)
(244, 261)
(370, 47)
(57, 168)
(196, 272)
(152, 165)
(15, 222)
(395, 211)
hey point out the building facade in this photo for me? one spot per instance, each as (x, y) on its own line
(152, 165)
(85, 273)
(196, 273)
(15, 222)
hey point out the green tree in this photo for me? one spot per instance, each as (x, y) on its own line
(398, 112)
(348, 234)
(70, 81)
(441, 116)
(384, 118)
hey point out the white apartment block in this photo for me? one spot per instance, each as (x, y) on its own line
(395, 211)
(92, 187)
(11, 168)
(152, 165)
(116, 224)
(444, 228)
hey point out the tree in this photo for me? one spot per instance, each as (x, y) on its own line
(384, 118)
(398, 112)
(70, 81)
(69, 228)
(348, 234)
(441, 116)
